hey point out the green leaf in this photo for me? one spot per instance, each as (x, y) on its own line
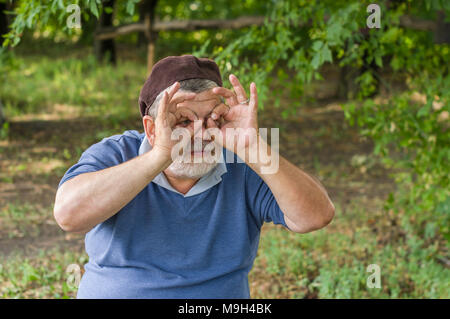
(94, 8)
(108, 10)
(317, 45)
(131, 6)
(316, 61)
(378, 61)
(326, 54)
(423, 111)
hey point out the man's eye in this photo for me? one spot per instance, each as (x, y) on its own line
(185, 122)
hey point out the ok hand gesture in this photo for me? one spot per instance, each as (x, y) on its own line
(237, 114)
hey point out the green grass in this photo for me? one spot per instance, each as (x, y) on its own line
(37, 84)
(42, 276)
(332, 262)
(19, 220)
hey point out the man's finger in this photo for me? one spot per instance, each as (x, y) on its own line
(163, 107)
(185, 112)
(171, 119)
(219, 110)
(253, 104)
(210, 123)
(240, 92)
(174, 88)
(180, 99)
(229, 95)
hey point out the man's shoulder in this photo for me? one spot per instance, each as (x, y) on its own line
(130, 134)
(128, 142)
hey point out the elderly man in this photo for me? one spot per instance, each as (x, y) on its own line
(160, 227)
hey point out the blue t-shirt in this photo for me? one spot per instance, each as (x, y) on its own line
(166, 245)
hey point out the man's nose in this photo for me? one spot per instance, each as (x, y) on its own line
(203, 122)
(201, 125)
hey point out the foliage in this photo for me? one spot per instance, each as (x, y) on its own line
(415, 138)
(411, 128)
(300, 36)
(41, 276)
(48, 17)
(332, 262)
(43, 13)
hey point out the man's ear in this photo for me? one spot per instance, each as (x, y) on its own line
(149, 127)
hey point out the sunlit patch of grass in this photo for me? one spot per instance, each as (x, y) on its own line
(53, 112)
(20, 220)
(42, 149)
(47, 88)
(32, 166)
(45, 165)
(40, 276)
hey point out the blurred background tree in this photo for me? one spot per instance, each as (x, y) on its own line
(295, 40)
(394, 82)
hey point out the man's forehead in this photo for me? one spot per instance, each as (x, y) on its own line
(205, 98)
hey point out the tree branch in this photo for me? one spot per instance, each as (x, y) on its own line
(406, 21)
(415, 23)
(181, 25)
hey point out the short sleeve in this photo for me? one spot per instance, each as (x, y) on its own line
(261, 201)
(104, 154)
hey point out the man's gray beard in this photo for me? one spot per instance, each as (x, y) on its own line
(191, 170)
(185, 167)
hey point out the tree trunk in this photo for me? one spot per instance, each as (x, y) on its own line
(150, 35)
(3, 21)
(2, 115)
(105, 50)
(3, 30)
(141, 41)
(442, 33)
(180, 25)
(88, 28)
(348, 88)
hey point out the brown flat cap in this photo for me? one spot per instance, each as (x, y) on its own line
(173, 69)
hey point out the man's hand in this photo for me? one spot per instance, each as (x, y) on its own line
(237, 114)
(91, 198)
(166, 119)
(303, 201)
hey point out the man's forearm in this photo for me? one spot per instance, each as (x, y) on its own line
(302, 199)
(89, 199)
